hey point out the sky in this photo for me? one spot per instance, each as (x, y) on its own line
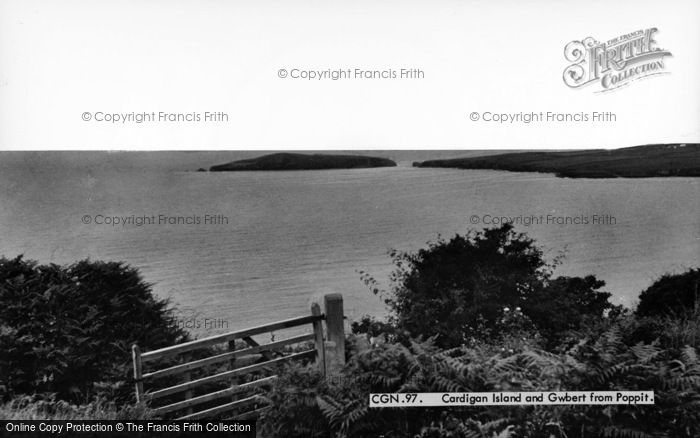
(64, 65)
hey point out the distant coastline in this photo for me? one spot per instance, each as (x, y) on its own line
(660, 160)
(296, 161)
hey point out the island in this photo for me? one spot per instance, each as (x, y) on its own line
(295, 161)
(657, 160)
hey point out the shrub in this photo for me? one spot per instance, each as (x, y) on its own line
(601, 361)
(455, 290)
(68, 330)
(564, 304)
(32, 408)
(671, 294)
(296, 412)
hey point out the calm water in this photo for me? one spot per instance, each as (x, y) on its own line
(292, 236)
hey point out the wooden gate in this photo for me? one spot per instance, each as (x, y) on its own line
(209, 377)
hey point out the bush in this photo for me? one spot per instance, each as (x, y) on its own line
(32, 408)
(455, 290)
(601, 361)
(671, 294)
(566, 304)
(296, 412)
(68, 330)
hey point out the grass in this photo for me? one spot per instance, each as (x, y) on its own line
(30, 408)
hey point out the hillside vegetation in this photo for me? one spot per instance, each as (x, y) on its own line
(480, 312)
(661, 160)
(291, 161)
(66, 331)
(484, 312)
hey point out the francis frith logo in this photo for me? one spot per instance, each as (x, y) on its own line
(616, 62)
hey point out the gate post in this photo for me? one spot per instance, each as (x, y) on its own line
(318, 339)
(138, 372)
(335, 329)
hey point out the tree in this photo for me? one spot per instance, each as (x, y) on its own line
(68, 330)
(457, 289)
(564, 304)
(671, 295)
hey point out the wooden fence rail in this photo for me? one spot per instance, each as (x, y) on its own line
(220, 372)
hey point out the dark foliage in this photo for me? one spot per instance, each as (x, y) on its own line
(601, 359)
(296, 412)
(564, 304)
(671, 294)
(68, 330)
(456, 290)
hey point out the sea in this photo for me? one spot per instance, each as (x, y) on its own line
(232, 250)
